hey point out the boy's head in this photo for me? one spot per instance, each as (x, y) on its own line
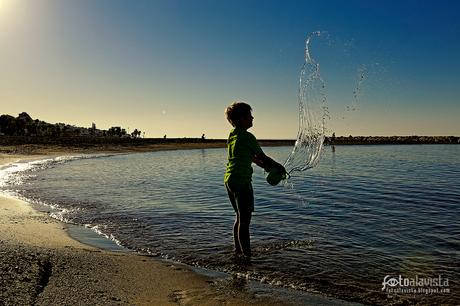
(239, 115)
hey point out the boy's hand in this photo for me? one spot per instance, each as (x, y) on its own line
(276, 174)
(281, 168)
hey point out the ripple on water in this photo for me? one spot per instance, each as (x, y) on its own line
(363, 213)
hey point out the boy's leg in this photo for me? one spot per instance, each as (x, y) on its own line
(243, 232)
(236, 240)
(236, 225)
(243, 203)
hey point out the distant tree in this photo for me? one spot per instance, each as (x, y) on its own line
(113, 131)
(203, 137)
(65, 130)
(56, 130)
(136, 133)
(25, 117)
(23, 124)
(116, 131)
(8, 125)
(31, 128)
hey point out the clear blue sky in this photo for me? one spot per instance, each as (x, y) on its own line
(171, 67)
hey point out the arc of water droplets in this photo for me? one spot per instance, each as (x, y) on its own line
(361, 74)
(312, 115)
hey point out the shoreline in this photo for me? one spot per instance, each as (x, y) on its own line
(42, 264)
(48, 145)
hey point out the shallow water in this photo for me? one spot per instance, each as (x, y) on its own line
(363, 213)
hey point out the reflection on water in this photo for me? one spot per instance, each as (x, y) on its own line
(368, 212)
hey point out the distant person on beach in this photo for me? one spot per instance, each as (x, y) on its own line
(243, 150)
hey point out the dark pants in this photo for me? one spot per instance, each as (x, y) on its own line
(242, 199)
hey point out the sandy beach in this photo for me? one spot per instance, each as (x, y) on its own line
(40, 264)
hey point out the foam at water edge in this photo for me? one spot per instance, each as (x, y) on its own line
(9, 173)
(15, 173)
(99, 229)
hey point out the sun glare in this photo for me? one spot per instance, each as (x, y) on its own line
(6, 11)
(5, 6)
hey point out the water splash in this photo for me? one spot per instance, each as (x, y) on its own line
(361, 75)
(312, 115)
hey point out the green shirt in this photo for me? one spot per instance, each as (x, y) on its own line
(242, 146)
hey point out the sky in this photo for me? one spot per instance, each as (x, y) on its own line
(171, 67)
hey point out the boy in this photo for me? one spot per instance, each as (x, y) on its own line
(243, 149)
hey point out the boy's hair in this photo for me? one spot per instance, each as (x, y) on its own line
(237, 110)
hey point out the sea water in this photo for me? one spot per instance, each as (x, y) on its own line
(363, 213)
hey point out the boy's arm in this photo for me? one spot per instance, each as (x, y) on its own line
(260, 159)
(266, 162)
